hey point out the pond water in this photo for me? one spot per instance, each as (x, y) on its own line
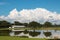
(54, 34)
(32, 34)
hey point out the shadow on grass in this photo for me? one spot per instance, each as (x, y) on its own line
(53, 39)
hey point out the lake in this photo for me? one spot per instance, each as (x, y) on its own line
(32, 34)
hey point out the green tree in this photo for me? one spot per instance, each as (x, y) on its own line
(48, 24)
(17, 23)
(34, 24)
(25, 24)
(4, 24)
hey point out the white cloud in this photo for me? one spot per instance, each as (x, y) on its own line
(27, 15)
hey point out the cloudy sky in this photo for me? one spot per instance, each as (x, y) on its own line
(30, 10)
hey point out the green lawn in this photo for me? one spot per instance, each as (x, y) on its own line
(18, 38)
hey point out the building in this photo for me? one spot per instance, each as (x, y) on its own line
(16, 27)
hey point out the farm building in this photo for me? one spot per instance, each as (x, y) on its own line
(14, 27)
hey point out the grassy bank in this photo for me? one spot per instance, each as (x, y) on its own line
(18, 38)
(42, 28)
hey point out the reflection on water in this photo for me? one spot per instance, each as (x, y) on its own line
(38, 33)
(54, 34)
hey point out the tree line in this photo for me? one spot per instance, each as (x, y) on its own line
(34, 24)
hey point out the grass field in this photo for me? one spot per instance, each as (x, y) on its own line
(18, 38)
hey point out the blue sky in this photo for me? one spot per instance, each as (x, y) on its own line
(7, 5)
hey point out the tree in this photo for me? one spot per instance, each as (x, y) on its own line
(25, 24)
(4, 24)
(17, 23)
(48, 24)
(34, 24)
